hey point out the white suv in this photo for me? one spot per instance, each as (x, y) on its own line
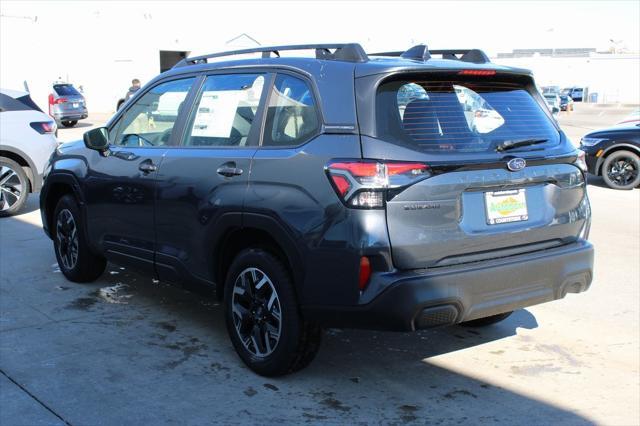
(27, 140)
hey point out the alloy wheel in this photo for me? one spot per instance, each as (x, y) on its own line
(67, 238)
(256, 311)
(10, 188)
(622, 171)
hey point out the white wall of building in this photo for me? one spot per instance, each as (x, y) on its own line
(615, 78)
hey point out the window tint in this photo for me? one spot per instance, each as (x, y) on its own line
(225, 110)
(23, 103)
(66, 90)
(466, 116)
(292, 117)
(149, 121)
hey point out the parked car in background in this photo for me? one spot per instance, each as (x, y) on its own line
(632, 118)
(576, 93)
(614, 154)
(27, 140)
(551, 89)
(566, 103)
(67, 105)
(553, 102)
(339, 189)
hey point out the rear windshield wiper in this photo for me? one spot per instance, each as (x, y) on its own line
(514, 143)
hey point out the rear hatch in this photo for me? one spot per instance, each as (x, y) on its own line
(73, 100)
(501, 175)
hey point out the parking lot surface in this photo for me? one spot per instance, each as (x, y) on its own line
(128, 350)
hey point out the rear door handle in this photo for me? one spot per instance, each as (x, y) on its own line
(229, 171)
(147, 167)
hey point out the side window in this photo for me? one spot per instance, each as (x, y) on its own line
(292, 116)
(225, 110)
(149, 122)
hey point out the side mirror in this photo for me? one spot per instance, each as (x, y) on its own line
(97, 139)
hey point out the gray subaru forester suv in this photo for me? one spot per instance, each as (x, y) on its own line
(393, 191)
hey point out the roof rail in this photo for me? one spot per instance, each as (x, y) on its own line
(350, 52)
(422, 53)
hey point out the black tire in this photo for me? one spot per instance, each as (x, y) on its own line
(483, 322)
(69, 123)
(14, 187)
(69, 239)
(298, 340)
(621, 170)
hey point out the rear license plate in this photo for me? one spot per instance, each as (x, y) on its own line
(75, 104)
(506, 206)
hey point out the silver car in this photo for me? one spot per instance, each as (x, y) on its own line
(67, 105)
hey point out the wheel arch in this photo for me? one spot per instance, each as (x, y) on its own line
(256, 231)
(624, 146)
(25, 162)
(57, 186)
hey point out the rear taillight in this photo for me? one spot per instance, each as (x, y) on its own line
(55, 101)
(43, 127)
(364, 183)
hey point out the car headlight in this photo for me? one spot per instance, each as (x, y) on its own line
(590, 141)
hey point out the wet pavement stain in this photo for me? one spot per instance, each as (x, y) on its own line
(535, 370)
(188, 349)
(82, 303)
(250, 391)
(335, 404)
(216, 366)
(314, 416)
(167, 326)
(408, 413)
(459, 392)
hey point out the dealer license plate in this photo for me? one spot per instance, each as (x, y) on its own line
(506, 206)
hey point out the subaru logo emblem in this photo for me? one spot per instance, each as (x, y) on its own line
(516, 164)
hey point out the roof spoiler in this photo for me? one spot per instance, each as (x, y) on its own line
(350, 52)
(422, 53)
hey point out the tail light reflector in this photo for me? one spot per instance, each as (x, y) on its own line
(43, 127)
(365, 273)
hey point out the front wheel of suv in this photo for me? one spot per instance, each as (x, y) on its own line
(75, 259)
(263, 318)
(621, 170)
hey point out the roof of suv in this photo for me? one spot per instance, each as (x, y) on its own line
(364, 64)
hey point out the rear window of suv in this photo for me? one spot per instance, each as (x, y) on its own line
(459, 115)
(65, 90)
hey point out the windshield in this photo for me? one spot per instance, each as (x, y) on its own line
(65, 90)
(466, 116)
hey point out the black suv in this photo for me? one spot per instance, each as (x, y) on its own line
(614, 154)
(396, 191)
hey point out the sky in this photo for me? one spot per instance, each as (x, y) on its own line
(495, 26)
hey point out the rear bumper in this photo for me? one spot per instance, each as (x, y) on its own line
(70, 116)
(462, 293)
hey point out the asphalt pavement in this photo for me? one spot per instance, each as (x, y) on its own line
(128, 350)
